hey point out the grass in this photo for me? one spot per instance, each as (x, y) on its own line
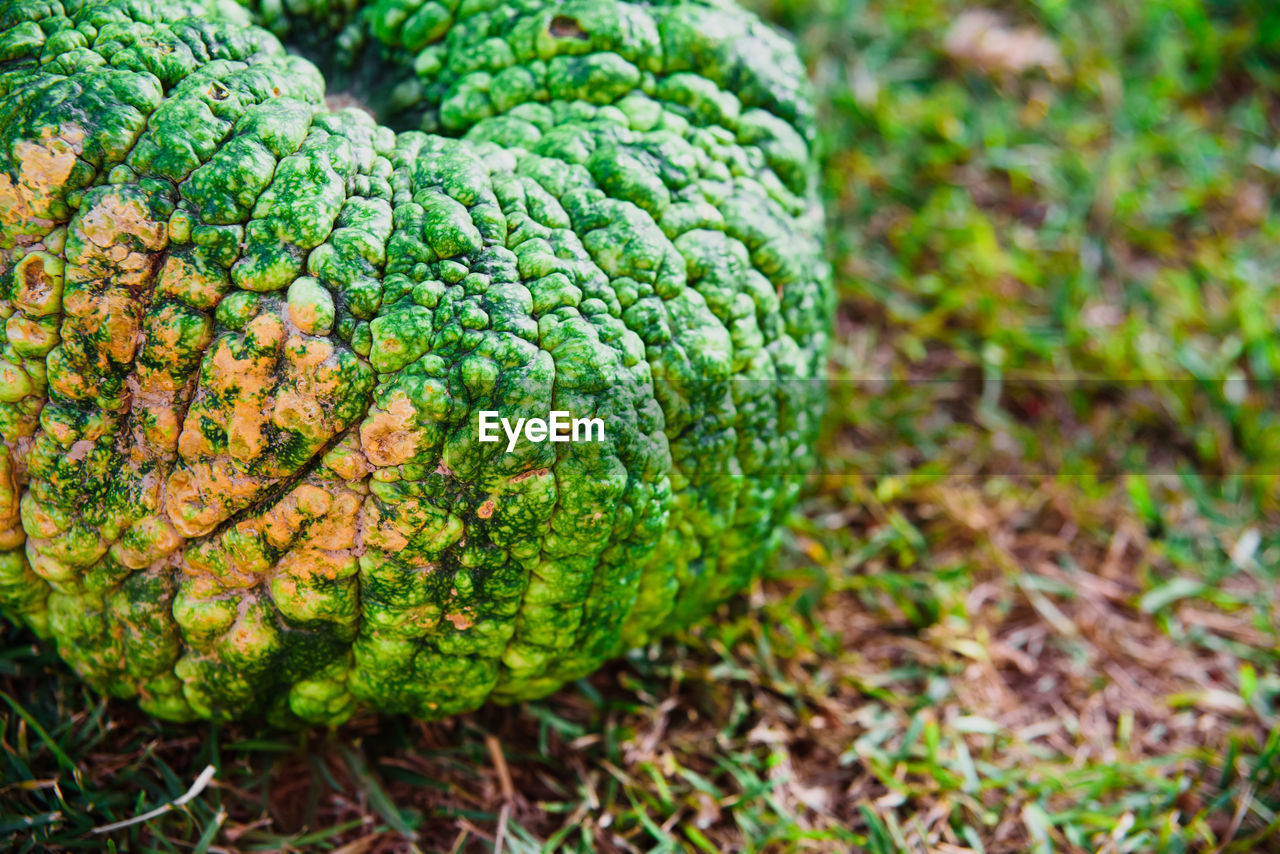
(1030, 604)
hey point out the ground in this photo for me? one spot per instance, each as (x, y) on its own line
(1029, 602)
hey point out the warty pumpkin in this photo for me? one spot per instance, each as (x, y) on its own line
(249, 333)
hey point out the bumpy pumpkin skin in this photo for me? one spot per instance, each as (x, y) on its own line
(248, 336)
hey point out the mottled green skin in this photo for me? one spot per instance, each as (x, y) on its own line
(248, 339)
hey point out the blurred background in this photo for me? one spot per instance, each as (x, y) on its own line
(1030, 602)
